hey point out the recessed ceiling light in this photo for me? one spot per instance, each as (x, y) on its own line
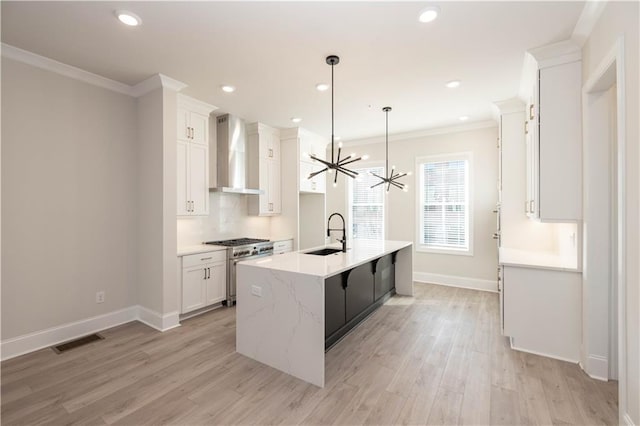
(464, 118)
(429, 14)
(227, 88)
(453, 84)
(296, 119)
(128, 18)
(322, 87)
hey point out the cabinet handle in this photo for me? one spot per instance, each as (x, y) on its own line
(205, 273)
(495, 236)
(532, 204)
(270, 152)
(531, 112)
(208, 273)
(186, 130)
(206, 258)
(526, 127)
(187, 208)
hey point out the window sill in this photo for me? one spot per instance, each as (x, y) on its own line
(435, 250)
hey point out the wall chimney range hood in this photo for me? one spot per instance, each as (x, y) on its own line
(232, 156)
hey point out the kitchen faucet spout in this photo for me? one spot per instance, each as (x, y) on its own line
(344, 230)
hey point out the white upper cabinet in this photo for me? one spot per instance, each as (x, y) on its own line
(312, 144)
(553, 132)
(193, 120)
(193, 157)
(264, 169)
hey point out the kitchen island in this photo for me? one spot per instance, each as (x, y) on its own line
(292, 307)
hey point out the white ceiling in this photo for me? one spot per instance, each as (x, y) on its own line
(274, 53)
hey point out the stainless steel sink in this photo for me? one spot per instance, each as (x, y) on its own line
(324, 251)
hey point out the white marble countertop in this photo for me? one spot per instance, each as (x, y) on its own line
(537, 259)
(198, 248)
(359, 252)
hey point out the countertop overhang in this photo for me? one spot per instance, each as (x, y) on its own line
(358, 253)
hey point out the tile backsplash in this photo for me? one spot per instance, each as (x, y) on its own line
(228, 218)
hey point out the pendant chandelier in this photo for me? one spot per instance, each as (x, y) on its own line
(392, 177)
(337, 164)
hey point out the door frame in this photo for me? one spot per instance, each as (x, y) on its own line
(608, 72)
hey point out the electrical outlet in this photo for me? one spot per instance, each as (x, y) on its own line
(100, 297)
(256, 290)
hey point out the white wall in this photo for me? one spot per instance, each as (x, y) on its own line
(228, 218)
(621, 19)
(401, 206)
(149, 200)
(69, 204)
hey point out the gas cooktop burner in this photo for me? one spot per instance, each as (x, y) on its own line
(237, 242)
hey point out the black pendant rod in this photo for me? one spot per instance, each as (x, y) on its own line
(386, 133)
(332, 60)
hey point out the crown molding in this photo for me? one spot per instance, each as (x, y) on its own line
(562, 52)
(156, 81)
(195, 105)
(423, 133)
(42, 62)
(52, 65)
(588, 18)
(509, 106)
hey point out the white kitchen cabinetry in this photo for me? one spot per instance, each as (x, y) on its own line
(193, 157)
(311, 144)
(542, 311)
(193, 121)
(283, 246)
(303, 200)
(553, 134)
(204, 280)
(264, 169)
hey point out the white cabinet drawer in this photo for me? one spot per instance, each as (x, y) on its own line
(202, 258)
(280, 247)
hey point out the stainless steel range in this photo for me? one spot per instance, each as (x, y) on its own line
(240, 249)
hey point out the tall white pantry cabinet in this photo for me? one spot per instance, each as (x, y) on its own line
(193, 157)
(264, 169)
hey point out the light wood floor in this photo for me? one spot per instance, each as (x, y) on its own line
(435, 359)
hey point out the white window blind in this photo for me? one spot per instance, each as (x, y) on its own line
(366, 205)
(444, 203)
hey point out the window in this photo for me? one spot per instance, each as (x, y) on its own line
(444, 207)
(366, 205)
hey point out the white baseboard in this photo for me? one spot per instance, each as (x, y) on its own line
(21, 345)
(597, 367)
(454, 281)
(517, 348)
(160, 322)
(626, 420)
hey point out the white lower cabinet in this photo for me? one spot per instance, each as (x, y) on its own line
(204, 280)
(542, 311)
(282, 246)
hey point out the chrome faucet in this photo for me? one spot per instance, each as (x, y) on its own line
(344, 231)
